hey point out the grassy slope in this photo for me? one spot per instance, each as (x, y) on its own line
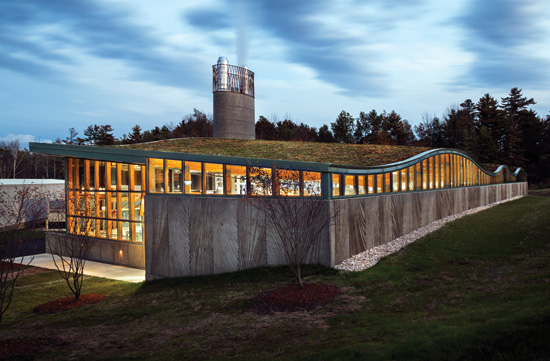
(476, 289)
(360, 155)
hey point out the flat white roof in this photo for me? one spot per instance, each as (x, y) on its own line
(30, 181)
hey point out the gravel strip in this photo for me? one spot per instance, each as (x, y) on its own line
(369, 258)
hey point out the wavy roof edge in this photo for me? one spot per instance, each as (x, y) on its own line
(120, 154)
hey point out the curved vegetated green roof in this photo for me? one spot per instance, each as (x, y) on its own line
(355, 155)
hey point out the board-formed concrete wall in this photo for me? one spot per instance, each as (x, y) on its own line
(207, 235)
(367, 222)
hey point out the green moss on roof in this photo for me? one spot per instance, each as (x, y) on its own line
(358, 155)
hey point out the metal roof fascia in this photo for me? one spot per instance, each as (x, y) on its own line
(140, 156)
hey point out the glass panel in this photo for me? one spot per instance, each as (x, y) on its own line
(193, 178)
(213, 178)
(113, 210)
(88, 174)
(125, 231)
(349, 185)
(156, 176)
(361, 186)
(138, 206)
(137, 177)
(174, 176)
(312, 184)
(70, 173)
(101, 175)
(404, 179)
(124, 177)
(235, 179)
(431, 173)
(380, 183)
(387, 182)
(425, 174)
(139, 233)
(113, 176)
(124, 206)
(437, 172)
(81, 174)
(395, 181)
(336, 184)
(412, 178)
(371, 179)
(288, 182)
(260, 181)
(418, 182)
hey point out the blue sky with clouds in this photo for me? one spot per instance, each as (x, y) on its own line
(66, 63)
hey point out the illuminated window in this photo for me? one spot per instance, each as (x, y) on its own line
(213, 179)
(418, 183)
(404, 179)
(412, 178)
(349, 183)
(395, 181)
(387, 182)
(288, 183)
(371, 179)
(312, 184)
(437, 172)
(361, 186)
(380, 183)
(193, 178)
(336, 184)
(425, 174)
(260, 181)
(235, 179)
(173, 176)
(156, 175)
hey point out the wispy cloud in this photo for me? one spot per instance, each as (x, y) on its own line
(33, 31)
(497, 32)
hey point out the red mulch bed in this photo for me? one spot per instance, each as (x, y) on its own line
(13, 348)
(66, 303)
(291, 298)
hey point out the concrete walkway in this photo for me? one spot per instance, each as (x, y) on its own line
(93, 268)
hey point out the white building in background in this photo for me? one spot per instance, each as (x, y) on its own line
(46, 201)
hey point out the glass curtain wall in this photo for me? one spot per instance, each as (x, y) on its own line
(105, 199)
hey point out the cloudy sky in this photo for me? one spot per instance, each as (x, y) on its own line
(67, 63)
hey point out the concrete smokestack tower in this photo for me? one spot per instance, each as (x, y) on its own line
(233, 88)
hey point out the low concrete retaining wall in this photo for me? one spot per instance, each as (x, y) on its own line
(119, 253)
(207, 235)
(367, 222)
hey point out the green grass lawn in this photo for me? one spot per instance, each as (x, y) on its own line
(479, 288)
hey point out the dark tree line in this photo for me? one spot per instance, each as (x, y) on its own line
(20, 163)
(370, 128)
(505, 132)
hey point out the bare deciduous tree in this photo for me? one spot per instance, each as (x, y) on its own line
(71, 250)
(22, 209)
(295, 219)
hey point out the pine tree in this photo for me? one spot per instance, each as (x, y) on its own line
(343, 127)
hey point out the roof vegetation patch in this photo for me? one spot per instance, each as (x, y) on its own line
(356, 155)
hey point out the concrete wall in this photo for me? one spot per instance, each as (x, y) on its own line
(367, 222)
(234, 116)
(207, 235)
(104, 250)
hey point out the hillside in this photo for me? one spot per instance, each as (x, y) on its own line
(357, 155)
